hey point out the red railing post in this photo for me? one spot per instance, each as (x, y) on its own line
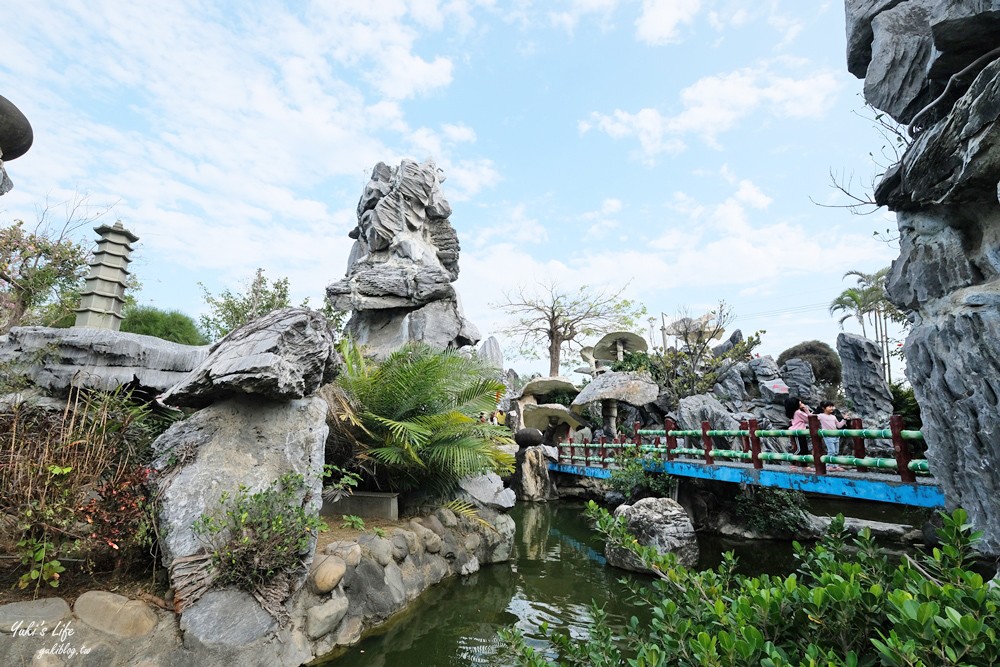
(858, 443)
(902, 450)
(755, 445)
(744, 439)
(818, 445)
(668, 426)
(603, 444)
(706, 443)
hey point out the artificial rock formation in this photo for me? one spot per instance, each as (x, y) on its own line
(655, 522)
(57, 359)
(863, 381)
(403, 263)
(944, 191)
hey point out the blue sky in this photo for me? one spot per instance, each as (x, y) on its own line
(674, 145)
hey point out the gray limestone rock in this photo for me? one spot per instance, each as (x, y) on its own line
(490, 351)
(774, 390)
(693, 410)
(245, 441)
(963, 30)
(225, 618)
(730, 386)
(798, 375)
(56, 359)
(955, 161)
(764, 368)
(860, 14)
(531, 480)
(896, 81)
(487, 490)
(655, 522)
(286, 354)
(404, 261)
(47, 610)
(953, 363)
(863, 381)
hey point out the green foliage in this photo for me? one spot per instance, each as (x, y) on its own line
(38, 555)
(413, 417)
(254, 538)
(691, 368)
(904, 404)
(843, 607)
(74, 480)
(36, 267)
(169, 325)
(232, 310)
(631, 479)
(559, 320)
(378, 532)
(770, 510)
(352, 521)
(824, 360)
(338, 482)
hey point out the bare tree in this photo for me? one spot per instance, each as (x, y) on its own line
(560, 320)
(42, 266)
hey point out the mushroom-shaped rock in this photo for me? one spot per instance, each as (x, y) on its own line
(693, 329)
(548, 385)
(614, 345)
(611, 387)
(548, 417)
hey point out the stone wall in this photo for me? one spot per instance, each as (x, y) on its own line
(354, 586)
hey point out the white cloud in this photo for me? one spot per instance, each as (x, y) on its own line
(578, 9)
(660, 19)
(717, 104)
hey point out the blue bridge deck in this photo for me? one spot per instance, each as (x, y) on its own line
(849, 484)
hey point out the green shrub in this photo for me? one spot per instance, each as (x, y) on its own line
(412, 420)
(169, 325)
(769, 510)
(842, 608)
(83, 466)
(631, 479)
(904, 403)
(255, 538)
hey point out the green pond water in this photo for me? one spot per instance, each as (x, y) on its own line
(556, 571)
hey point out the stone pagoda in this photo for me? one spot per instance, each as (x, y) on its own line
(104, 294)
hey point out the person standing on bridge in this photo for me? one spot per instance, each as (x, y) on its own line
(830, 420)
(798, 412)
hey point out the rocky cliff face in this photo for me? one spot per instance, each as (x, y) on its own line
(935, 65)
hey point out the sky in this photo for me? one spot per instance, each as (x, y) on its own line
(680, 148)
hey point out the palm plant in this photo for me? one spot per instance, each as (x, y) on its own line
(868, 300)
(413, 417)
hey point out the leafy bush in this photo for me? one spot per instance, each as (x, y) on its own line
(413, 418)
(73, 479)
(169, 325)
(631, 479)
(769, 510)
(838, 610)
(905, 404)
(256, 538)
(824, 360)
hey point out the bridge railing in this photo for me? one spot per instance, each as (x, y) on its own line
(664, 446)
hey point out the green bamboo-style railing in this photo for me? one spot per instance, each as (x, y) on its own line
(750, 437)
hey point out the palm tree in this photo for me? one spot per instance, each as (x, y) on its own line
(869, 300)
(414, 417)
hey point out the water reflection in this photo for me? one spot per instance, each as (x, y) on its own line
(556, 571)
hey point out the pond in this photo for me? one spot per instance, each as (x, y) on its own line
(556, 571)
